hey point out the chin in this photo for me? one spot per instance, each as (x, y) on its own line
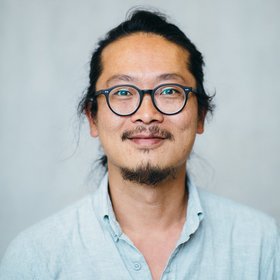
(148, 174)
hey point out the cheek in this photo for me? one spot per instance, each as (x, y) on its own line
(190, 117)
(186, 122)
(109, 125)
(108, 128)
(104, 115)
(185, 128)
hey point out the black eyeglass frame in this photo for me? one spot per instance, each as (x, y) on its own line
(141, 92)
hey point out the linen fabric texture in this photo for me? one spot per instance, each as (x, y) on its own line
(220, 240)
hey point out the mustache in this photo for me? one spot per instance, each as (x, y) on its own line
(154, 131)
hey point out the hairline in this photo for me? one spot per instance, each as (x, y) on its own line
(182, 47)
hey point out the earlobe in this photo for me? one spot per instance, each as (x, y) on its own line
(200, 124)
(200, 127)
(92, 124)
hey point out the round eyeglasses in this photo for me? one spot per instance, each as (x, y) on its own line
(125, 100)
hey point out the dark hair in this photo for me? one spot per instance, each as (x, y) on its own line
(147, 22)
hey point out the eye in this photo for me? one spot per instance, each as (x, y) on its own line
(122, 92)
(169, 91)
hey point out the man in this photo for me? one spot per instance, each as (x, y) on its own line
(147, 220)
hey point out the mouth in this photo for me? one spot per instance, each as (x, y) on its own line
(147, 137)
(147, 140)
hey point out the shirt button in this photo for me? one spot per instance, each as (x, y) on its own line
(137, 266)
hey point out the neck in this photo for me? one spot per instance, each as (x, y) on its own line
(142, 208)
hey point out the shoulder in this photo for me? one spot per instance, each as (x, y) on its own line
(60, 224)
(249, 234)
(242, 223)
(230, 212)
(226, 209)
(36, 245)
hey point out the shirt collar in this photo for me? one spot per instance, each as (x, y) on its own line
(103, 207)
(194, 213)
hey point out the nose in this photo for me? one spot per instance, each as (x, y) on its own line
(147, 113)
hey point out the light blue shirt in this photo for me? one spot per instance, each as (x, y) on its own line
(220, 240)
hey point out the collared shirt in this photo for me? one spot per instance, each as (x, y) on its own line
(220, 240)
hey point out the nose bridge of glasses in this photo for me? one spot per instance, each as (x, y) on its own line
(149, 92)
(148, 99)
(147, 110)
(146, 91)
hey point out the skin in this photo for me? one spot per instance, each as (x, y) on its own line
(151, 216)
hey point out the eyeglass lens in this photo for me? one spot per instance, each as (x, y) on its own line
(169, 99)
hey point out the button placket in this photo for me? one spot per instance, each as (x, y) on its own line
(133, 259)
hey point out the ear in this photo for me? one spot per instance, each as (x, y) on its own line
(200, 123)
(92, 124)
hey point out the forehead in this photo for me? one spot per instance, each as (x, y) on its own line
(144, 56)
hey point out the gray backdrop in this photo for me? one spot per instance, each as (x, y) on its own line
(45, 48)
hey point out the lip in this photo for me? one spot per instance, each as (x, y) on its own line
(146, 141)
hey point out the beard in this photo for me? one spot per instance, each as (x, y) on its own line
(148, 174)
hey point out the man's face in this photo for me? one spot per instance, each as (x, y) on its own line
(146, 138)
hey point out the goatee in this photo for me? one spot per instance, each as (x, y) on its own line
(148, 174)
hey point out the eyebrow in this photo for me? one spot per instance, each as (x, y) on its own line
(170, 76)
(162, 77)
(120, 77)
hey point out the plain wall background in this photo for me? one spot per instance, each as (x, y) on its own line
(45, 47)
